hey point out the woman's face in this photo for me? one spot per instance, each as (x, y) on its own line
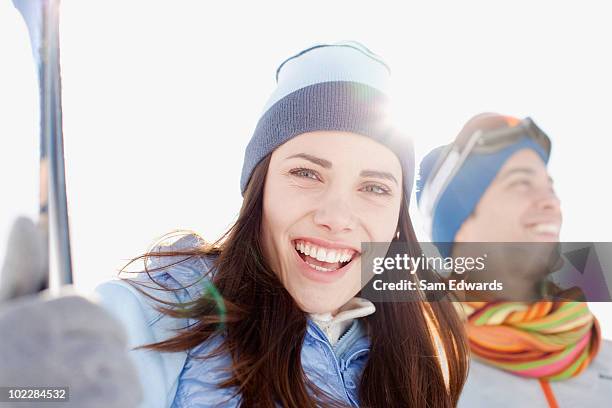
(325, 193)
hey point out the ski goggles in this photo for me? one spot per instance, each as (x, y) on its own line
(481, 141)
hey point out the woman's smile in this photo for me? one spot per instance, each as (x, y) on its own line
(323, 261)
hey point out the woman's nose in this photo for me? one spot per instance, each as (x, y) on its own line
(335, 215)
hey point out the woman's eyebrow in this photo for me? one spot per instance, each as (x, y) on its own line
(378, 174)
(328, 165)
(316, 160)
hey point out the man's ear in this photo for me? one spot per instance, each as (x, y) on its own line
(462, 234)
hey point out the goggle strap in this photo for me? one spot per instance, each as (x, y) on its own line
(446, 169)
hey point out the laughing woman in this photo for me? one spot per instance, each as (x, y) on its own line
(269, 315)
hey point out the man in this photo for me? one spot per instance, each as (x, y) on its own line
(492, 185)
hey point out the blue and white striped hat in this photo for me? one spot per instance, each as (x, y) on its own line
(341, 87)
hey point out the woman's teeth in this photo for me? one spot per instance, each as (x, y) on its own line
(328, 255)
(319, 268)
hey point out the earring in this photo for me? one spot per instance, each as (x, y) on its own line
(397, 234)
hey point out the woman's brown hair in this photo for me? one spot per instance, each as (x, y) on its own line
(263, 329)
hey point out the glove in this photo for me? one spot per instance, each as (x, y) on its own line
(67, 341)
(25, 266)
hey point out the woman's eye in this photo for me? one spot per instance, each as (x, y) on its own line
(376, 189)
(305, 173)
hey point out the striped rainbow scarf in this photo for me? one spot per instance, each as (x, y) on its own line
(545, 340)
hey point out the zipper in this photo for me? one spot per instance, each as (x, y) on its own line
(349, 331)
(548, 393)
(355, 354)
(322, 338)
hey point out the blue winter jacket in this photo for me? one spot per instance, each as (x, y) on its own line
(180, 380)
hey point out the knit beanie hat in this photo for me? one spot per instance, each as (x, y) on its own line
(337, 87)
(463, 192)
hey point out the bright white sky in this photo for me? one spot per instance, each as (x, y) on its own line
(161, 97)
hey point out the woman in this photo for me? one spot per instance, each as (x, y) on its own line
(274, 318)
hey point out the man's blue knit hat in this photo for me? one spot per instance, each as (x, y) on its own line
(339, 87)
(463, 192)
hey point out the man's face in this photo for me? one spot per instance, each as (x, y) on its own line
(520, 205)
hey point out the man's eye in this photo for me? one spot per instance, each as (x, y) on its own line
(521, 183)
(305, 173)
(376, 189)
